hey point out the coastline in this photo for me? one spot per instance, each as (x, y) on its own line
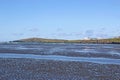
(59, 61)
(89, 41)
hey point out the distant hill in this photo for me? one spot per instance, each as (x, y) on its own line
(40, 40)
(100, 41)
(96, 41)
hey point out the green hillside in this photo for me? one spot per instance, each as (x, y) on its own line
(40, 40)
(96, 41)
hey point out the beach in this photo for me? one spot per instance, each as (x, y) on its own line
(34, 69)
(59, 62)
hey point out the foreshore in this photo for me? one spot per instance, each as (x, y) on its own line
(38, 69)
(59, 62)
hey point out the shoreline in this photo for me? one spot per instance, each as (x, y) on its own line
(59, 62)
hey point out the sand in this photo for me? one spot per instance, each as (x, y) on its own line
(37, 69)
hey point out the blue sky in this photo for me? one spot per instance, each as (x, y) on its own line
(60, 19)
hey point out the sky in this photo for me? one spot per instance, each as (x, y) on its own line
(59, 19)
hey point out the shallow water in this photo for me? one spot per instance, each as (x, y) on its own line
(97, 53)
(62, 58)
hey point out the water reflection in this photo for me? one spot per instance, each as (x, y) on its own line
(62, 58)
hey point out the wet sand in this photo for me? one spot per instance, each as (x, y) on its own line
(62, 53)
(22, 68)
(72, 50)
(35, 69)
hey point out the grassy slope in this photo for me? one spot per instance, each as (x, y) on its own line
(111, 40)
(40, 40)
